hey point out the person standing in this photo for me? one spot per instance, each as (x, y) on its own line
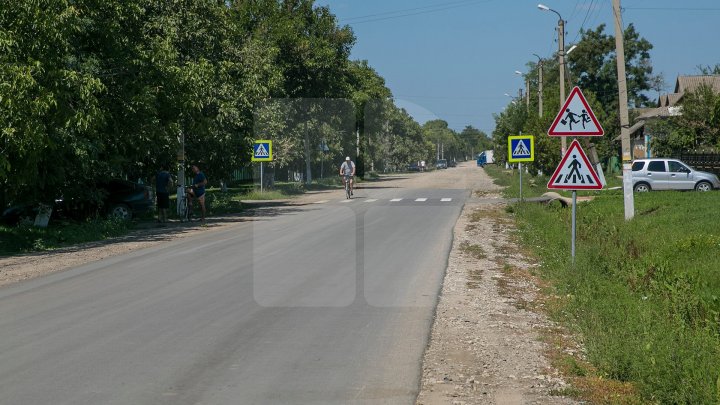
(198, 190)
(163, 184)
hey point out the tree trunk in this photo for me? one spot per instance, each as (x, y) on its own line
(308, 162)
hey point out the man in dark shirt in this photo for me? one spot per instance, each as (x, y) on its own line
(163, 183)
(198, 189)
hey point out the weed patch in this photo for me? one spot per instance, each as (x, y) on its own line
(473, 250)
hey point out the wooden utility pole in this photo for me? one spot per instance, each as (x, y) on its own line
(624, 120)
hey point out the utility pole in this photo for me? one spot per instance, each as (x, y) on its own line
(624, 120)
(540, 85)
(561, 60)
(527, 93)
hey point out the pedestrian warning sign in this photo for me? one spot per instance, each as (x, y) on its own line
(521, 148)
(575, 171)
(576, 118)
(262, 151)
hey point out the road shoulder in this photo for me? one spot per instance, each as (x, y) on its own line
(485, 346)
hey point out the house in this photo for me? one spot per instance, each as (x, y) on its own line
(669, 105)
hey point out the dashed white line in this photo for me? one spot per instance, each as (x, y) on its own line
(320, 202)
(371, 200)
(346, 201)
(446, 199)
(396, 199)
(421, 199)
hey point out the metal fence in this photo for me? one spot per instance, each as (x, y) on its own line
(709, 162)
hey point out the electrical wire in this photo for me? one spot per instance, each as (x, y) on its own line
(412, 11)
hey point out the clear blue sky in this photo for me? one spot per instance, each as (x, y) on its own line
(456, 59)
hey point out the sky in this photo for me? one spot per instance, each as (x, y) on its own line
(456, 59)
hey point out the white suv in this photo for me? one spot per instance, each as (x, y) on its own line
(670, 174)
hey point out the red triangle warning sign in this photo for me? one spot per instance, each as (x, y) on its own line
(576, 118)
(575, 171)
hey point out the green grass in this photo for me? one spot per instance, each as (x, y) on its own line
(644, 294)
(26, 238)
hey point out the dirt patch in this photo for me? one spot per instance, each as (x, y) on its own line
(486, 345)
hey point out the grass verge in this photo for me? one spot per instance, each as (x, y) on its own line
(643, 296)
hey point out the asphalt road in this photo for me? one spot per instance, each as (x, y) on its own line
(330, 302)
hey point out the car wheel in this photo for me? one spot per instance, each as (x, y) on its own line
(703, 186)
(120, 211)
(642, 188)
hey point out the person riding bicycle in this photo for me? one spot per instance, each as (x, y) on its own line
(197, 191)
(347, 170)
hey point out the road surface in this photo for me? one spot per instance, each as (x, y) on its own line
(327, 302)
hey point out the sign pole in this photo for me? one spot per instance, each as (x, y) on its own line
(520, 170)
(261, 177)
(574, 217)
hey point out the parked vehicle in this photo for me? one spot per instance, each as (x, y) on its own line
(670, 174)
(115, 198)
(452, 163)
(441, 164)
(413, 167)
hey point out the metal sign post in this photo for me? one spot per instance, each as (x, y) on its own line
(521, 148)
(574, 173)
(262, 152)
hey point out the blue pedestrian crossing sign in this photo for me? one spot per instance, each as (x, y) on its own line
(521, 148)
(262, 151)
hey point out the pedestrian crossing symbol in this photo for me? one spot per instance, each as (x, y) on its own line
(262, 151)
(575, 171)
(521, 148)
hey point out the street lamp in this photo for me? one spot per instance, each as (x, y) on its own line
(561, 61)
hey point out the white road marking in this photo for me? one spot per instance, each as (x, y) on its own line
(396, 199)
(346, 200)
(446, 199)
(421, 199)
(320, 202)
(371, 200)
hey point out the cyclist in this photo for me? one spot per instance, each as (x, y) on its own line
(347, 170)
(197, 191)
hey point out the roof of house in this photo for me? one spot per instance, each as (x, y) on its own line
(668, 104)
(686, 84)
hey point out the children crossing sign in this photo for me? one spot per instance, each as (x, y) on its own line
(575, 171)
(262, 151)
(521, 148)
(576, 118)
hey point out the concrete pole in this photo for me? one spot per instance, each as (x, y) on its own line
(540, 89)
(624, 120)
(561, 61)
(527, 93)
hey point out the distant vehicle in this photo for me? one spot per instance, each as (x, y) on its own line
(670, 174)
(485, 157)
(413, 167)
(452, 163)
(441, 164)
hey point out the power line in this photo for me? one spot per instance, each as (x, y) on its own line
(674, 8)
(412, 11)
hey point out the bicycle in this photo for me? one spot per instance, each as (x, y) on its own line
(183, 205)
(348, 192)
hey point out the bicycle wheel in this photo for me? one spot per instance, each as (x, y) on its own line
(183, 210)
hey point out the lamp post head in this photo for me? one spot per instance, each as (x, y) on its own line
(572, 48)
(543, 7)
(517, 72)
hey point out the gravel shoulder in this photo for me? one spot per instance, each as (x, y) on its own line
(485, 345)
